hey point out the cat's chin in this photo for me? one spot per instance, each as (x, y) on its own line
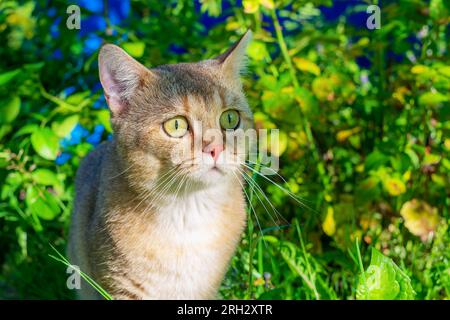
(215, 172)
(213, 175)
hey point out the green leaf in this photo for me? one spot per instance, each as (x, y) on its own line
(33, 67)
(8, 76)
(45, 177)
(375, 160)
(64, 128)
(42, 203)
(45, 143)
(307, 102)
(103, 117)
(9, 109)
(257, 50)
(383, 280)
(26, 129)
(306, 65)
(431, 99)
(4, 130)
(438, 9)
(135, 49)
(78, 98)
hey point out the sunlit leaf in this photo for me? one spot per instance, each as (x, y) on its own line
(135, 49)
(431, 159)
(9, 109)
(421, 219)
(269, 4)
(257, 50)
(343, 135)
(329, 224)
(42, 203)
(384, 280)
(418, 69)
(103, 117)
(306, 65)
(431, 99)
(45, 177)
(250, 6)
(45, 143)
(64, 128)
(277, 147)
(7, 76)
(212, 7)
(394, 186)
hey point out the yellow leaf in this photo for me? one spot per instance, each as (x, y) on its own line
(407, 175)
(400, 93)
(394, 186)
(276, 147)
(329, 225)
(232, 25)
(299, 137)
(259, 282)
(306, 65)
(438, 179)
(431, 159)
(323, 88)
(269, 4)
(421, 219)
(343, 135)
(447, 143)
(257, 50)
(363, 42)
(418, 69)
(134, 49)
(250, 6)
(287, 90)
(262, 121)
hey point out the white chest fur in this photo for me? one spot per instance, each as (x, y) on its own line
(190, 251)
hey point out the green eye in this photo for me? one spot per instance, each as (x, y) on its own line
(176, 127)
(229, 119)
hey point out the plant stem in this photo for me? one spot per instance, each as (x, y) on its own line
(306, 126)
(308, 266)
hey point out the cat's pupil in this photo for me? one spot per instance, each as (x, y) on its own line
(176, 124)
(229, 118)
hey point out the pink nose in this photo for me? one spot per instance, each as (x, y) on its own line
(214, 150)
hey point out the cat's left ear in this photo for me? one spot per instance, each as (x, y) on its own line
(120, 76)
(233, 62)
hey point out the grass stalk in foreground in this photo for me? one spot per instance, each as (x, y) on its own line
(89, 280)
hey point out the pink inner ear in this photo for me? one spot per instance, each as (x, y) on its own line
(110, 89)
(115, 104)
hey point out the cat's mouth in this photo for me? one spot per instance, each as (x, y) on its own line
(216, 169)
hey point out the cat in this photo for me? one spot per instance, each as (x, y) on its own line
(150, 220)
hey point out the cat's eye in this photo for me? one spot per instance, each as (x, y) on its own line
(176, 127)
(229, 119)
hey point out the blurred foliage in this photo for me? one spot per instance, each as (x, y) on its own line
(363, 115)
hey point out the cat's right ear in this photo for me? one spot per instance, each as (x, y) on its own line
(120, 76)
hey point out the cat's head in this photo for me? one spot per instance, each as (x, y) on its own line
(178, 118)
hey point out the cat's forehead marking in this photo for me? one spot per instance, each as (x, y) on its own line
(185, 104)
(187, 78)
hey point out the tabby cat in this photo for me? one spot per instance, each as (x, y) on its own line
(159, 209)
